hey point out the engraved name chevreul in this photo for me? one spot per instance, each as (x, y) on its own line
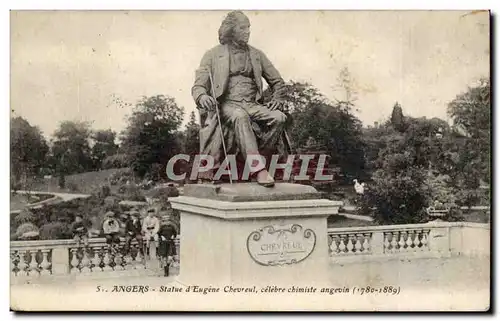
(281, 244)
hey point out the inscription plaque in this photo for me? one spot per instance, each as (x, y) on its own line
(281, 244)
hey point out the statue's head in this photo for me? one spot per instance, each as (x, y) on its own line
(235, 27)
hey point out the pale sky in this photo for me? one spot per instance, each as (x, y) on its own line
(69, 65)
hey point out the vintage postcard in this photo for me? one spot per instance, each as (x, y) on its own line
(250, 160)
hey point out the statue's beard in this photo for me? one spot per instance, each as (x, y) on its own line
(240, 40)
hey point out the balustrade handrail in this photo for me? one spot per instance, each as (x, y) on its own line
(44, 244)
(429, 225)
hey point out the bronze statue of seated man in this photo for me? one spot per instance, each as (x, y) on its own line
(229, 83)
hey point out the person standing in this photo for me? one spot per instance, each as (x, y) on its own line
(150, 228)
(167, 234)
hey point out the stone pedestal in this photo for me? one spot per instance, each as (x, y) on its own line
(245, 235)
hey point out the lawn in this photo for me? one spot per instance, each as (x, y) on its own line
(476, 216)
(19, 201)
(342, 221)
(84, 183)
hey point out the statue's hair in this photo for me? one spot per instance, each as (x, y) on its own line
(227, 26)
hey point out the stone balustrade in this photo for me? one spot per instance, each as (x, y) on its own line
(434, 239)
(35, 259)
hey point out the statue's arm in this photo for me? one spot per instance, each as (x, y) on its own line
(272, 77)
(202, 80)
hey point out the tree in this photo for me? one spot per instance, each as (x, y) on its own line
(397, 193)
(191, 144)
(428, 139)
(397, 118)
(329, 123)
(151, 135)
(471, 112)
(375, 140)
(404, 163)
(28, 149)
(71, 148)
(104, 146)
(118, 160)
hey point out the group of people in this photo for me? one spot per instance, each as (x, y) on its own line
(150, 229)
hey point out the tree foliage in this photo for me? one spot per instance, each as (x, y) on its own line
(191, 141)
(151, 135)
(190, 144)
(71, 150)
(330, 124)
(115, 161)
(404, 155)
(397, 118)
(28, 149)
(471, 113)
(104, 146)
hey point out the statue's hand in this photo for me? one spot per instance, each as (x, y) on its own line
(275, 104)
(207, 102)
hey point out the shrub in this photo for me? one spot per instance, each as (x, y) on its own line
(27, 231)
(164, 192)
(443, 196)
(472, 197)
(73, 187)
(132, 192)
(62, 181)
(26, 216)
(397, 197)
(111, 201)
(55, 231)
(115, 161)
(15, 186)
(121, 176)
(104, 191)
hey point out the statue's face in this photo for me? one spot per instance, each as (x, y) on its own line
(241, 31)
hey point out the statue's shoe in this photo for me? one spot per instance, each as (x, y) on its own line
(265, 180)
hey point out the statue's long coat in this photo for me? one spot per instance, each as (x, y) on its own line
(216, 60)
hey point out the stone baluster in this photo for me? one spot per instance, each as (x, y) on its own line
(387, 243)
(128, 260)
(13, 264)
(394, 242)
(152, 258)
(107, 260)
(45, 264)
(74, 261)
(402, 241)
(33, 267)
(366, 242)
(409, 240)
(342, 246)
(139, 260)
(85, 261)
(96, 260)
(418, 240)
(424, 241)
(333, 245)
(357, 246)
(177, 242)
(22, 265)
(118, 259)
(350, 245)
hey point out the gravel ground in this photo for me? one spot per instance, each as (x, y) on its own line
(425, 284)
